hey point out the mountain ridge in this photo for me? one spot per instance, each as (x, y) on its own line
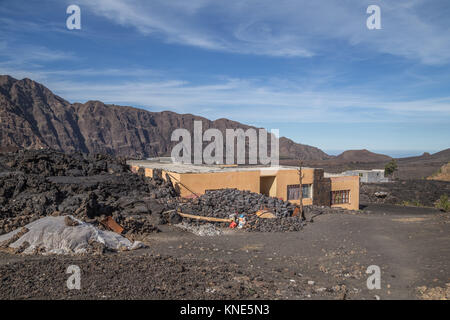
(33, 117)
(363, 155)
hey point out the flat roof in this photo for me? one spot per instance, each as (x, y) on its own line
(193, 168)
(364, 170)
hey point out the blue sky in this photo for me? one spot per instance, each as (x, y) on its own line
(312, 69)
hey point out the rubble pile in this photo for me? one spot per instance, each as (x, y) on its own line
(227, 202)
(36, 184)
(202, 230)
(285, 224)
(102, 191)
(222, 203)
(52, 163)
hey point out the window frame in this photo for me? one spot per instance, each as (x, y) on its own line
(296, 188)
(340, 197)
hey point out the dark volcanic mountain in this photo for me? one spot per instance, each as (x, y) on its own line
(32, 117)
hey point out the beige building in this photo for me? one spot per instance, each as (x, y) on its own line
(280, 182)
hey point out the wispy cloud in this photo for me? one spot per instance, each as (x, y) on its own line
(24, 55)
(246, 100)
(285, 28)
(289, 28)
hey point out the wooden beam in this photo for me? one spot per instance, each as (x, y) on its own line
(192, 216)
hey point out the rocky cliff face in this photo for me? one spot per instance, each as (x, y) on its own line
(32, 117)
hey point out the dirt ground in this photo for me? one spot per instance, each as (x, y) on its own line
(325, 260)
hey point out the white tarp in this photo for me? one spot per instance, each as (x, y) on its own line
(52, 234)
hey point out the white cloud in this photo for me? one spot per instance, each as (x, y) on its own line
(24, 55)
(302, 28)
(246, 100)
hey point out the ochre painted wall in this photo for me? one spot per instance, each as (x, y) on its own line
(251, 180)
(347, 183)
(288, 177)
(268, 185)
(200, 182)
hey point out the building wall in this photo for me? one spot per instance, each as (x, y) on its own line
(347, 183)
(268, 185)
(200, 182)
(274, 182)
(289, 177)
(368, 176)
(321, 189)
(376, 176)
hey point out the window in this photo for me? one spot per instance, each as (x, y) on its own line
(293, 191)
(340, 197)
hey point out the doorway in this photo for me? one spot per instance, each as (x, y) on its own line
(268, 186)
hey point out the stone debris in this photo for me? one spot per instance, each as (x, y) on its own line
(36, 184)
(202, 230)
(232, 202)
(434, 293)
(52, 163)
(226, 203)
(418, 192)
(104, 192)
(222, 203)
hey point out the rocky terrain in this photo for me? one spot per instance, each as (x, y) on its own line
(326, 260)
(226, 202)
(419, 167)
(407, 192)
(32, 117)
(39, 183)
(222, 203)
(443, 174)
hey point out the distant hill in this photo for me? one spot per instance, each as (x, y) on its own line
(419, 167)
(360, 156)
(32, 117)
(443, 155)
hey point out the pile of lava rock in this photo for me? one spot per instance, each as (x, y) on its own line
(221, 203)
(34, 184)
(38, 183)
(225, 202)
(48, 162)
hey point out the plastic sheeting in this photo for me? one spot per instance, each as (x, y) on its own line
(53, 236)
